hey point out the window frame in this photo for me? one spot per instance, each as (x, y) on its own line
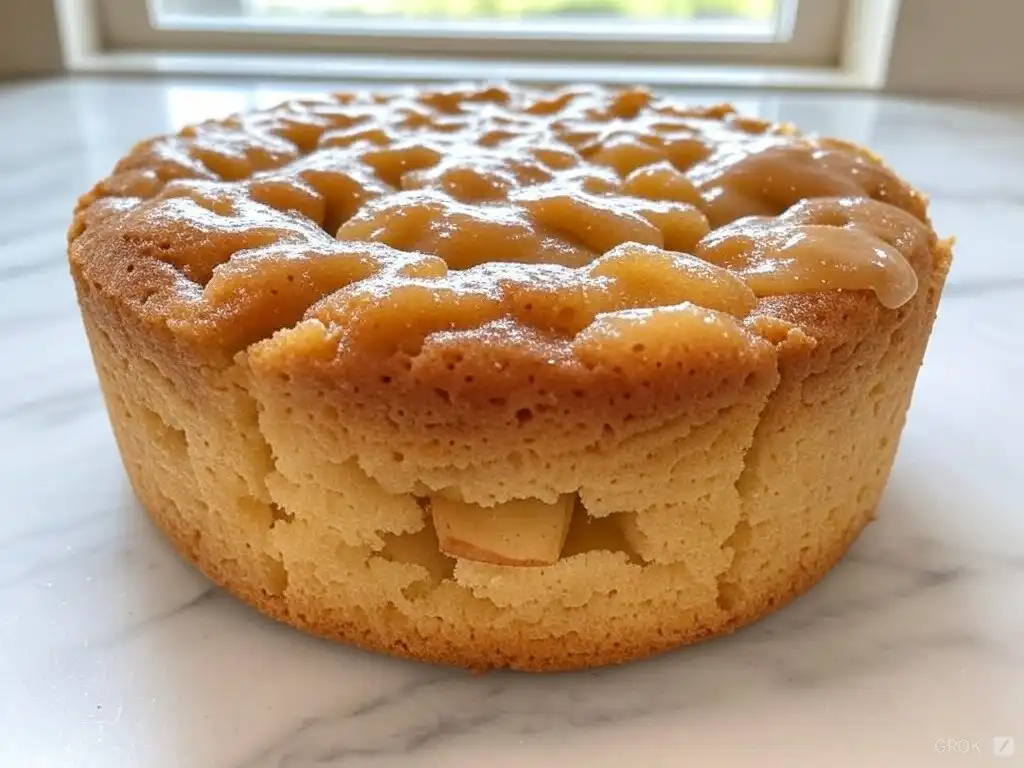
(851, 51)
(814, 33)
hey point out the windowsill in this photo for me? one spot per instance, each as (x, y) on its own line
(390, 68)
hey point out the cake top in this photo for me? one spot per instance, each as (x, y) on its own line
(376, 220)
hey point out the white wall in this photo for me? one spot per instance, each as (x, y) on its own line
(959, 47)
(29, 43)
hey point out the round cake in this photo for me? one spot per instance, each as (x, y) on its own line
(507, 378)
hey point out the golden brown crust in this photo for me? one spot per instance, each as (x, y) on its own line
(287, 405)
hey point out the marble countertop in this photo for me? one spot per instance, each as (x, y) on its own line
(115, 653)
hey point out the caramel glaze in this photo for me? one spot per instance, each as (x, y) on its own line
(396, 216)
(822, 245)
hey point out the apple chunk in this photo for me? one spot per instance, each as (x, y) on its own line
(524, 532)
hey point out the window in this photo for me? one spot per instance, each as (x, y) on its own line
(724, 19)
(807, 33)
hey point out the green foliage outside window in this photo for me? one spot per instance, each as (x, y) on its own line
(752, 10)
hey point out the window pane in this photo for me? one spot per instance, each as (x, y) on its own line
(714, 19)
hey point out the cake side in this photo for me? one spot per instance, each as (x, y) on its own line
(802, 497)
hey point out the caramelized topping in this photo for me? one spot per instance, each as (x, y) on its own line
(416, 212)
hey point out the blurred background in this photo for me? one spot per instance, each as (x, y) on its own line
(942, 47)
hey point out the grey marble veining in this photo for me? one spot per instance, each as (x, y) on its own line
(114, 653)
